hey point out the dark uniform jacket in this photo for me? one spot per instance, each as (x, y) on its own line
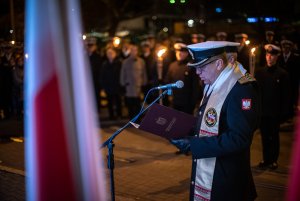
(243, 57)
(110, 76)
(186, 97)
(275, 90)
(95, 62)
(6, 83)
(292, 66)
(232, 180)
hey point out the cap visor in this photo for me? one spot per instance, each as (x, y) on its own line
(197, 64)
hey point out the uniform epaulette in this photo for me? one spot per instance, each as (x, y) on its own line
(246, 78)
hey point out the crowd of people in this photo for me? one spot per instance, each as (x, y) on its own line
(11, 81)
(126, 71)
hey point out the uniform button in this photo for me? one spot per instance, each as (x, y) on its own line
(200, 113)
(192, 182)
(195, 160)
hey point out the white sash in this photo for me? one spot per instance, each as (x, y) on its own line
(210, 127)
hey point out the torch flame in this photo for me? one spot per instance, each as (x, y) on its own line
(161, 52)
(116, 41)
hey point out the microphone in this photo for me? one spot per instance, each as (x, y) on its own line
(179, 84)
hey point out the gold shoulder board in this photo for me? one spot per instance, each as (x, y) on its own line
(246, 78)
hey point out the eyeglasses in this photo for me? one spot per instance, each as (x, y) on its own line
(201, 68)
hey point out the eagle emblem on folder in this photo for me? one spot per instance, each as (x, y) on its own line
(161, 121)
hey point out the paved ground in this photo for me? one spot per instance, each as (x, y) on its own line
(146, 167)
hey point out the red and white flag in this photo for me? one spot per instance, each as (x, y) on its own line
(293, 193)
(63, 159)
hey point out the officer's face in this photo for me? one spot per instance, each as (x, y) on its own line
(111, 54)
(91, 48)
(271, 59)
(286, 49)
(194, 40)
(269, 37)
(134, 51)
(181, 55)
(209, 72)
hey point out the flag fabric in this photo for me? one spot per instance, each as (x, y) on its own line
(293, 193)
(63, 159)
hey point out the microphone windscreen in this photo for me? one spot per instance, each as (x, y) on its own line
(179, 84)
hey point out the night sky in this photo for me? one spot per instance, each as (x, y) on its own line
(97, 14)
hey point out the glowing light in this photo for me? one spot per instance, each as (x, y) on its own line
(218, 10)
(172, 1)
(253, 50)
(83, 37)
(161, 52)
(26, 56)
(116, 41)
(11, 31)
(165, 29)
(182, 1)
(247, 42)
(252, 19)
(122, 33)
(190, 23)
(271, 19)
(12, 42)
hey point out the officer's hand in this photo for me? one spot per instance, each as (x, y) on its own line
(183, 144)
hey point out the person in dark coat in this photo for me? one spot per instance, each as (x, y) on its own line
(110, 82)
(95, 62)
(18, 87)
(290, 61)
(243, 50)
(150, 64)
(274, 83)
(228, 116)
(6, 83)
(183, 99)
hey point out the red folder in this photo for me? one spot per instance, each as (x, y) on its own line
(167, 122)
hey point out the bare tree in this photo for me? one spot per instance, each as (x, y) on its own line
(117, 10)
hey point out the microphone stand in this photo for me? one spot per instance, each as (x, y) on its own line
(110, 144)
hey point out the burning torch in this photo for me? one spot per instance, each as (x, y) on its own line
(159, 67)
(252, 61)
